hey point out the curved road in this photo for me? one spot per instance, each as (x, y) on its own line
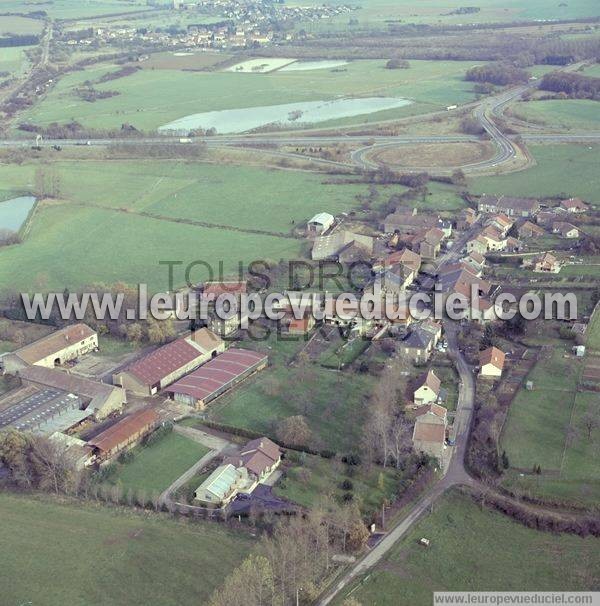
(456, 474)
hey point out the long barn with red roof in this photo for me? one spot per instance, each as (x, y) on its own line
(217, 376)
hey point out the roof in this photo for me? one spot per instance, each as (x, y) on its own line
(577, 203)
(333, 244)
(124, 429)
(224, 287)
(530, 227)
(477, 257)
(502, 219)
(431, 380)
(563, 227)
(435, 409)
(404, 257)
(165, 360)
(429, 432)
(418, 339)
(65, 381)
(220, 481)
(54, 342)
(492, 356)
(218, 373)
(510, 203)
(322, 219)
(257, 456)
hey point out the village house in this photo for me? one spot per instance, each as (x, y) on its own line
(57, 348)
(429, 433)
(478, 244)
(260, 457)
(165, 365)
(501, 222)
(475, 263)
(513, 245)
(545, 218)
(512, 207)
(574, 205)
(211, 296)
(527, 229)
(428, 389)
(565, 230)
(466, 219)
(494, 238)
(221, 486)
(409, 222)
(123, 435)
(491, 362)
(543, 263)
(320, 224)
(421, 341)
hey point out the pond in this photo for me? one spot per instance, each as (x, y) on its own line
(302, 66)
(228, 121)
(14, 212)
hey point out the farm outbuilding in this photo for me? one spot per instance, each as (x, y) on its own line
(157, 370)
(217, 376)
(319, 224)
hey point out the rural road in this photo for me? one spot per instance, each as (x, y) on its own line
(456, 473)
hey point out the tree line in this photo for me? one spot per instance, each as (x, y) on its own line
(500, 73)
(575, 85)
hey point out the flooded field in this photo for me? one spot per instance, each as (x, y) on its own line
(285, 115)
(14, 212)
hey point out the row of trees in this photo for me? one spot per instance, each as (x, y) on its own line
(500, 73)
(574, 85)
(290, 563)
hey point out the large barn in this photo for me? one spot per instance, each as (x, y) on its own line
(217, 376)
(157, 370)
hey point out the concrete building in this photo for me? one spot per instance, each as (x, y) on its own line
(165, 365)
(55, 349)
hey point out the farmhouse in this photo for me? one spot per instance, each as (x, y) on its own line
(565, 230)
(429, 434)
(260, 458)
(494, 238)
(544, 263)
(216, 377)
(501, 222)
(221, 486)
(124, 434)
(343, 244)
(157, 370)
(529, 230)
(574, 205)
(466, 219)
(512, 207)
(409, 222)
(54, 349)
(320, 224)
(428, 389)
(477, 245)
(491, 362)
(99, 398)
(211, 292)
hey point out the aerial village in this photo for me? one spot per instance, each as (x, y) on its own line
(100, 415)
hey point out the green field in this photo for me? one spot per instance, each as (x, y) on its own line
(593, 332)
(21, 26)
(72, 9)
(333, 403)
(573, 170)
(157, 466)
(54, 554)
(90, 238)
(312, 478)
(150, 98)
(13, 60)
(535, 432)
(474, 549)
(565, 114)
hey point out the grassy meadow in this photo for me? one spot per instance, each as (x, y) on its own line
(13, 60)
(96, 233)
(570, 169)
(74, 9)
(474, 549)
(561, 115)
(56, 554)
(431, 85)
(155, 467)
